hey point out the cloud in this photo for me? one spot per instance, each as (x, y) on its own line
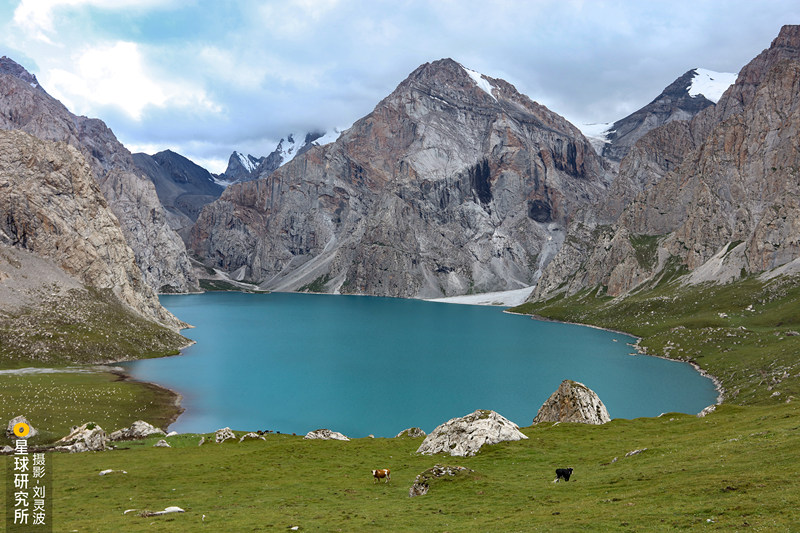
(36, 16)
(116, 75)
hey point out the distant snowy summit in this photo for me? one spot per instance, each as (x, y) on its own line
(710, 84)
(681, 100)
(248, 167)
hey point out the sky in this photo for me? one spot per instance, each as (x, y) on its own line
(205, 78)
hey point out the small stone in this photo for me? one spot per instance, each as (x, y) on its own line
(411, 432)
(162, 444)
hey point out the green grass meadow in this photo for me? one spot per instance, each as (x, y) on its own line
(734, 470)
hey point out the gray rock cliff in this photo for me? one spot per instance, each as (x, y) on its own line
(159, 251)
(718, 195)
(445, 188)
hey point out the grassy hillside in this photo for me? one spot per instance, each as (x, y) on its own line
(730, 471)
(746, 333)
(86, 326)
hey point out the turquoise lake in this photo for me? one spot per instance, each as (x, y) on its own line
(365, 365)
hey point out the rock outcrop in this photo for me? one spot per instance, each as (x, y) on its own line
(138, 430)
(158, 250)
(412, 433)
(325, 434)
(723, 204)
(573, 402)
(454, 183)
(466, 435)
(422, 482)
(86, 438)
(224, 434)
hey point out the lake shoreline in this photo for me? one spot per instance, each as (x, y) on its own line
(700, 370)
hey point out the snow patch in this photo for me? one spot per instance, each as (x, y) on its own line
(247, 161)
(597, 134)
(505, 298)
(480, 81)
(711, 84)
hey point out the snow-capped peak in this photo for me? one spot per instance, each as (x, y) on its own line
(711, 84)
(248, 162)
(480, 81)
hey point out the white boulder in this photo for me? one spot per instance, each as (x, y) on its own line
(86, 438)
(325, 434)
(138, 430)
(466, 435)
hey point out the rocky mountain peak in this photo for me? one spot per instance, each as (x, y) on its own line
(11, 67)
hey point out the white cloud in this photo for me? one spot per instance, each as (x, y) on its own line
(115, 75)
(36, 16)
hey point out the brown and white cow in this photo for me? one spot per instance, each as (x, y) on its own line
(382, 473)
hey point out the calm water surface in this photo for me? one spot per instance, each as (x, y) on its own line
(365, 365)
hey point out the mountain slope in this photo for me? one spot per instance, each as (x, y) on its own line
(726, 206)
(65, 262)
(454, 183)
(160, 253)
(680, 100)
(182, 186)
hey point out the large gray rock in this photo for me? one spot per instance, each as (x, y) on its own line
(466, 435)
(138, 430)
(325, 434)
(86, 438)
(16, 420)
(573, 402)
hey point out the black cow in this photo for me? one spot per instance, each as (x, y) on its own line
(562, 473)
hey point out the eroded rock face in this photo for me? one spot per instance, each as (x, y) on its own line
(573, 402)
(723, 201)
(325, 434)
(442, 189)
(86, 438)
(138, 430)
(158, 250)
(466, 435)
(51, 205)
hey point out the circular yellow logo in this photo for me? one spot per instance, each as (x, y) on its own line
(21, 429)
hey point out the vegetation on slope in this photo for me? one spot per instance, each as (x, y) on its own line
(743, 333)
(89, 326)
